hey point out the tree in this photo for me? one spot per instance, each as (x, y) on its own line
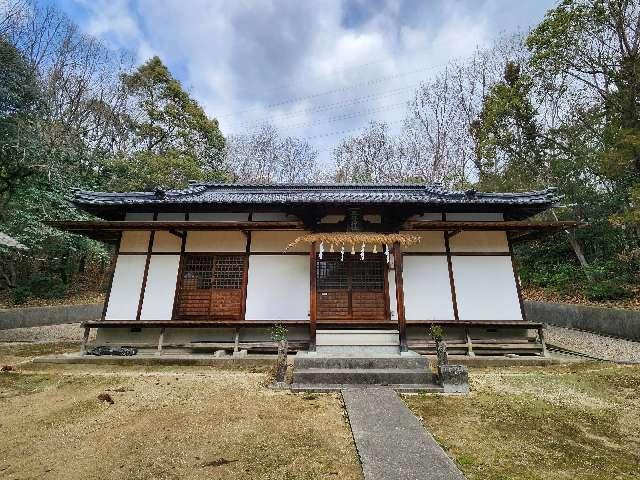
(586, 54)
(510, 153)
(263, 156)
(21, 147)
(370, 157)
(163, 117)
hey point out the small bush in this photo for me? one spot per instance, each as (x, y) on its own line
(39, 287)
(606, 290)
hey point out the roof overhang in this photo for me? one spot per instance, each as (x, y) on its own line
(109, 231)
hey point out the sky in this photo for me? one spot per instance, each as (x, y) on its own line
(320, 70)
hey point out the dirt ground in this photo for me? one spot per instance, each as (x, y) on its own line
(578, 422)
(165, 423)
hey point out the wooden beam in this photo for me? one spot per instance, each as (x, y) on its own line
(313, 297)
(402, 326)
(508, 226)
(122, 225)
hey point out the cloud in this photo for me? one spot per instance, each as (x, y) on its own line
(311, 68)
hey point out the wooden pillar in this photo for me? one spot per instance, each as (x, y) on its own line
(85, 339)
(402, 324)
(161, 341)
(542, 342)
(313, 301)
(236, 340)
(469, 343)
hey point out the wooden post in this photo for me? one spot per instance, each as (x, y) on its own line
(313, 298)
(236, 340)
(85, 339)
(160, 341)
(402, 325)
(544, 344)
(469, 344)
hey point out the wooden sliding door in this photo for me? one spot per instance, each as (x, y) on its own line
(212, 287)
(352, 289)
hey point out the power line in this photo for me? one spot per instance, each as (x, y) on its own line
(327, 107)
(332, 91)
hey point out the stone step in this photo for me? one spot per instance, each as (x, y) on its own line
(308, 361)
(359, 376)
(336, 387)
(358, 350)
(352, 337)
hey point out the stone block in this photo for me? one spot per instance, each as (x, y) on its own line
(454, 378)
(240, 353)
(220, 353)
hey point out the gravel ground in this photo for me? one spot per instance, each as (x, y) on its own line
(69, 332)
(592, 344)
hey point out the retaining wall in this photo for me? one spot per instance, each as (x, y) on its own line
(609, 321)
(39, 316)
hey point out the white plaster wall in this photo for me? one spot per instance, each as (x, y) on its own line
(427, 217)
(134, 241)
(166, 242)
(231, 241)
(430, 242)
(138, 216)
(473, 241)
(486, 288)
(278, 287)
(171, 216)
(332, 219)
(219, 217)
(474, 217)
(160, 288)
(125, 288)
(393, 300)
(277, 241)
(427, 290)
(273, 217)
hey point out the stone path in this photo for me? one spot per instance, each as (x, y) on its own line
(391, 441)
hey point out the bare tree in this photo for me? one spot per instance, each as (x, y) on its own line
(371, 157)
(262, 156)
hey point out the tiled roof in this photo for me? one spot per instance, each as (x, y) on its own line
(8, 241)
(227, 194)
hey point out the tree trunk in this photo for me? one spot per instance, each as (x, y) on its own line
(281, 370)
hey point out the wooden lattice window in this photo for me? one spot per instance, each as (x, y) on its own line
(211, 286)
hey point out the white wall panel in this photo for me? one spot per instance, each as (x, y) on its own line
(166, 242)
(125, 288)
(134, 241)
(139, 216)
(278, 287)
(430, 242)
(277, 241)
(486, 288)
(218, 217)
(472, 241)
(160, 287)
(427, 290)
(428, 217)
(474, 217)
(273, 217)
(171, 216)
(232, 241)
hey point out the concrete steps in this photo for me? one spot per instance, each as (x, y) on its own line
(318, 373)
(357, 342)
(391, 362)
(360, 376)
(336, 387)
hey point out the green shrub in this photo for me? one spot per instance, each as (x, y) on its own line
(39, 286)
(610, 289)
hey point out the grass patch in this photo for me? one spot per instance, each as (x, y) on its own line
(169, 423)
(16, 352)
(570, 422)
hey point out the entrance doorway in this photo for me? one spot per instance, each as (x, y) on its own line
(352, 289)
